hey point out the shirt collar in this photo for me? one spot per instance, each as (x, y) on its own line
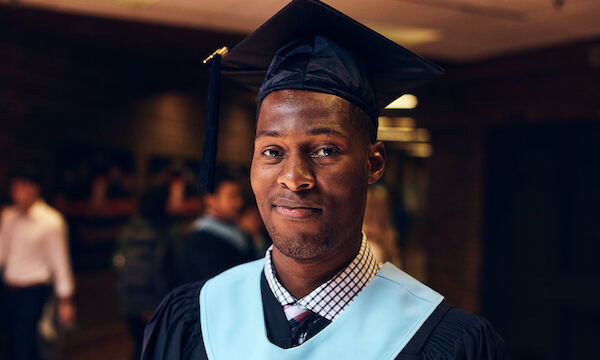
(331, 298)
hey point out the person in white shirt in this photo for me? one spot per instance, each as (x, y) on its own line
(34, 259)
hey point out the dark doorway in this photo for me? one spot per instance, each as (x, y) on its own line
(542, 239)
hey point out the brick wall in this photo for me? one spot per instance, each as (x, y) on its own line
(550, 85)
(80, 81)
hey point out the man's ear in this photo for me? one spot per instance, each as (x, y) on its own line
(376, 161)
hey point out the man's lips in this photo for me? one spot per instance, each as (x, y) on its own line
(296, 210)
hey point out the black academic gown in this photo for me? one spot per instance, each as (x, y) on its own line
(449, 333)
(208, 254)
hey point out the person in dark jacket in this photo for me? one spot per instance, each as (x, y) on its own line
(215, 243)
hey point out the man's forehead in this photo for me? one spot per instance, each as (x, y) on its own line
(318, 100)
(311, 113)
(325, 130)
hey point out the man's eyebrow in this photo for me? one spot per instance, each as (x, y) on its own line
(325, 130)
(315, 131)
(267, 133)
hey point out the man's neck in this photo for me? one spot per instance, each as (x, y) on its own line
(301, 276)
(24, 208)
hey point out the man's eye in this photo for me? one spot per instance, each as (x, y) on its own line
(270, 153)
(324, 152)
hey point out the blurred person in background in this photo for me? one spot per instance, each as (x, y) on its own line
(215, 243)
(34, 260)
(379, 227)
(252, 225)
(145, 262)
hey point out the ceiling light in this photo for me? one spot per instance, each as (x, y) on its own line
(406, 101)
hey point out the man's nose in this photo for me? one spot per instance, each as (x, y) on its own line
(297, 173)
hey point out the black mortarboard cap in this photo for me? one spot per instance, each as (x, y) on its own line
(309, 45)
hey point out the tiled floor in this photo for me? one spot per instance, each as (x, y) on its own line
(101, 333)
(109, 343)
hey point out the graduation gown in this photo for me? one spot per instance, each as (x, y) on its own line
(449, 333)
(213, 247)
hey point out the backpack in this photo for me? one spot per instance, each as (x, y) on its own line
(141, 263)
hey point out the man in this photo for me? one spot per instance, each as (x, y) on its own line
(215, 243)
(319, 293)
(33, 256)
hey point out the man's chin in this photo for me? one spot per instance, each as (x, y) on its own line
(301, 247)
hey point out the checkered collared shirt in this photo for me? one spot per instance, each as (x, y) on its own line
(331, 298)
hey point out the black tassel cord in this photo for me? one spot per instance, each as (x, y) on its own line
(209, 153)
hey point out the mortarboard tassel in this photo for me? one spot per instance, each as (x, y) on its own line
(211, 133)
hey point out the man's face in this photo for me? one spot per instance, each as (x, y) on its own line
(23, 192)
(309, 173)
(227, 201)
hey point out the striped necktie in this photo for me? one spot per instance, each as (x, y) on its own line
(301, 320)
